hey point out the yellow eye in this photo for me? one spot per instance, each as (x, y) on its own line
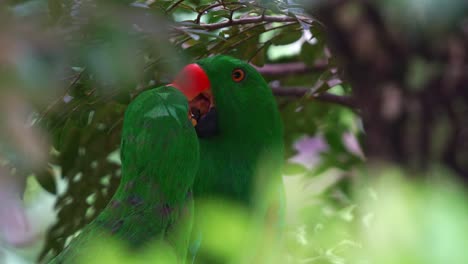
(238, 75)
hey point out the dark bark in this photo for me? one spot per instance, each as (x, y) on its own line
(400, 120)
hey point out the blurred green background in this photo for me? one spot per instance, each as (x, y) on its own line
(373, 96)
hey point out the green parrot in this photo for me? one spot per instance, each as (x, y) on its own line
(241, 143)
(202, 136)
(160, 158)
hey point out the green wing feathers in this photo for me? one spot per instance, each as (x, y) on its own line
(159, 141)
(160, 156)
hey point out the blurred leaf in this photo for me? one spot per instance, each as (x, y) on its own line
(55, 9)
(286, 37)
(214, 218)
(293, 169)
(311, 53)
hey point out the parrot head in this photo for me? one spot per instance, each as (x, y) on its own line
(228, 97)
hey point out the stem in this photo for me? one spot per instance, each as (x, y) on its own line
(247, 20)
(346, 101)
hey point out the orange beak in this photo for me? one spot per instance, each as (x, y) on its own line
(192, 81)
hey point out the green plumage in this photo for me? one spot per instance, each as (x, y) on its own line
(160, 155)
(250, 131)
(163, 160)
(243, 163)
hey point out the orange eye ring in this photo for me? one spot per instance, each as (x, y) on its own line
(238, 75)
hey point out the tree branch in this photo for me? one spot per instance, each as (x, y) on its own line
(342, 100)
(247, 20)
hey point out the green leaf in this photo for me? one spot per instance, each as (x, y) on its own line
(55, 9)
(286, 37)
(311, 53)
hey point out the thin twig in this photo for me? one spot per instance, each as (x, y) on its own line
(247, 20)
(238, 34)
(253, 36)
(174, 6)
(71, 85)
(203, 11)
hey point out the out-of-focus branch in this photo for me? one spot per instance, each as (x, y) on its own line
(282, 69)
(290, 68)
(343, 100)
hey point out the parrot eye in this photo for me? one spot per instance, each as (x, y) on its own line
(238, 75)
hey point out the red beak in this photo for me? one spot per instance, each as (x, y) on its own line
(191, 81)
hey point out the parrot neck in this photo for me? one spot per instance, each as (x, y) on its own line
(228, 168)
(247, 151)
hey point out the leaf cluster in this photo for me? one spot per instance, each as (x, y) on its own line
(93, 57)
